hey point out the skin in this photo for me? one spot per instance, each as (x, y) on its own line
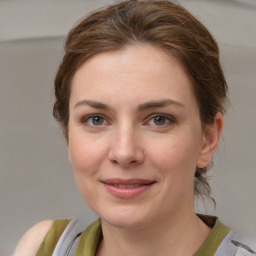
(32, 239)
(116, 132)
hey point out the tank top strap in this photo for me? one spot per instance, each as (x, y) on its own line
(52, 237)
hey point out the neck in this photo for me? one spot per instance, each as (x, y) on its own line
(159, 239)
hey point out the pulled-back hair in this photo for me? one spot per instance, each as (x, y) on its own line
(161, 24)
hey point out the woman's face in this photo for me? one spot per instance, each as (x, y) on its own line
(135, 136)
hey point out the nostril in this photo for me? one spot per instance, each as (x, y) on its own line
(125, 151)
(124, 163)
(126, 160)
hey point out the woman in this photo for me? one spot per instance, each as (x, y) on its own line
(140, 96)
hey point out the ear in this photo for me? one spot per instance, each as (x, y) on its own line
(65, 132)
(69, 156)
(210, 141)
(68, 151)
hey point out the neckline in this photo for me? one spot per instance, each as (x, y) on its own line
(216, 236)
(91, 237)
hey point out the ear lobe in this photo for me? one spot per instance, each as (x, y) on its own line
(210, 141)
(67, 145)
(68, 151)
(69, 157)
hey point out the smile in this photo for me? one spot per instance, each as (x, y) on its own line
(126, 186)
(127, 189)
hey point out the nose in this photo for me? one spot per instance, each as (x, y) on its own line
(126, 149)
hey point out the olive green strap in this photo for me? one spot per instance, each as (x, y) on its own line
(214, 240)
(52, 237)
(89, 240)
(91, 237)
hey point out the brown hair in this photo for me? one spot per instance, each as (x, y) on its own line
(161, 24)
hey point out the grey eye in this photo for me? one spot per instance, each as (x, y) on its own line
(159, 120)
(97, 120)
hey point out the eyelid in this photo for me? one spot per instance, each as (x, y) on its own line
(84, 120)
(170, 118)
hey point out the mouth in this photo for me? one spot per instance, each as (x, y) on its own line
(127, 189)
(126, 186)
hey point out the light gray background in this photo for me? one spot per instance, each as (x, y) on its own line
(36, 178)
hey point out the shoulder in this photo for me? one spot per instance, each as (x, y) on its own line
(32, 239)
(244, 243)
(236, 244)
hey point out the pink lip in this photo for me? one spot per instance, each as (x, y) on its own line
(141, 186)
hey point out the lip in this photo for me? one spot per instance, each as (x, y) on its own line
(127, 189)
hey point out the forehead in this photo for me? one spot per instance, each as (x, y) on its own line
(129, 59)
(138, 71)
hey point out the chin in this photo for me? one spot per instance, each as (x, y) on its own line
(126, 219)
(125, 223)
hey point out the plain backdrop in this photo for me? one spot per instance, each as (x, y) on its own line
(36, 179)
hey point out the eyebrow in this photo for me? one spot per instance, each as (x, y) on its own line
(92, 103)
(141, 107)
(159, 104)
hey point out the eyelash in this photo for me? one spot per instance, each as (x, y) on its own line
(86, 119)
(167, 118)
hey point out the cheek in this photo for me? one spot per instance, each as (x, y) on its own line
(176, 157)
(85, 154)
(86, 157)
